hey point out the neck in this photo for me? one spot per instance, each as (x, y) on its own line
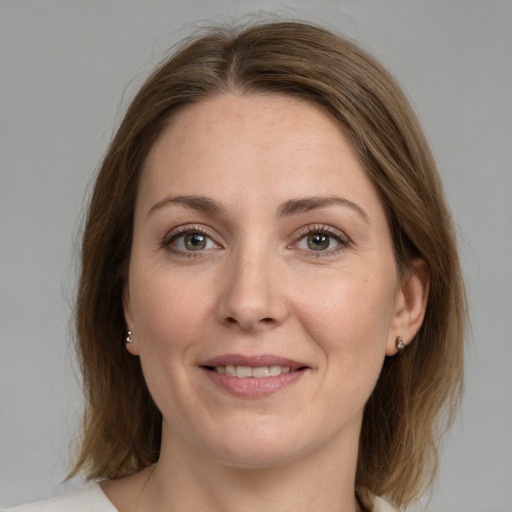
(185, 480)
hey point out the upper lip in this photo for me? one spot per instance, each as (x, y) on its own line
(253, 361)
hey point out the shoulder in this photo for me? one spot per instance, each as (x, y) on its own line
(380, 505)
(87, 499)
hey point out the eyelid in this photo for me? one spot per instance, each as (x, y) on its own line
(179, 231)
(339, 236)
(343, 240)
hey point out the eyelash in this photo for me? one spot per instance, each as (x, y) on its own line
(322, 229)
(314, 229)
(179, 232)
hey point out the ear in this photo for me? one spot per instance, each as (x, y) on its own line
(128, 318)
(410, 305)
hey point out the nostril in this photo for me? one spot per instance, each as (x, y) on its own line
(263, 321)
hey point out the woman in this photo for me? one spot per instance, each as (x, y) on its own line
(270, 312)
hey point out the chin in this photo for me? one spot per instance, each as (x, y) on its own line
(258, 456)
(263, 446)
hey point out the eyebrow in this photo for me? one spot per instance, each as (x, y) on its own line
(292, 207)
(295, 206)
(199, 203)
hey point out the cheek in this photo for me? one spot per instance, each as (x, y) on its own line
(349, 308)
(169, 322)
(349, 320)
(168, 313)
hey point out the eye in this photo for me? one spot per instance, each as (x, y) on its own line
(318, 241)
(322, 239)
(184, 239)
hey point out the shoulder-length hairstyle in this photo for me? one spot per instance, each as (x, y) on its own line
(418, 390)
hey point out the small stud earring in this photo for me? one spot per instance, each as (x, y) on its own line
(399, 342)
(128, 338)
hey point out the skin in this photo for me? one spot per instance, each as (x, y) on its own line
(260, 285)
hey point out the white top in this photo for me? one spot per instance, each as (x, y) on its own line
(91, 498)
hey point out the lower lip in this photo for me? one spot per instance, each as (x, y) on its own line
(252, 387)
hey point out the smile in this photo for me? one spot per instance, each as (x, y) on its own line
(244, 372)
(253, 376)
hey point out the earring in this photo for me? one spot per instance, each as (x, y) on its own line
(399, 342)
(128, 338)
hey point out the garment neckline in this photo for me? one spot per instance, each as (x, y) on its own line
(379, 504)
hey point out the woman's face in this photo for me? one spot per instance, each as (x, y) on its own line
(263, 293)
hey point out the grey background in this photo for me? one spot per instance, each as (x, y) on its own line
(67, 68)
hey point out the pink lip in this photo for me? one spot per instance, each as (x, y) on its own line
(252, 387)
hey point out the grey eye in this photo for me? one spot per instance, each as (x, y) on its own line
(318, 241)
(195, 241)
(191, 241)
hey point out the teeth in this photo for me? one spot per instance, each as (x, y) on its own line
(261, 372)
(277, 370)
(244, 372)
(230, 370)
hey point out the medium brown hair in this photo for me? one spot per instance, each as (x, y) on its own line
(416, 394)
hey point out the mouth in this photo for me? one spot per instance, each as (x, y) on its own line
(257, 367)
(248, 372)
(253, 376)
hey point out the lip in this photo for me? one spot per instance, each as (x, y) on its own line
(251, 387)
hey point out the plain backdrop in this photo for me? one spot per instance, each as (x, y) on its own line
(67, 71)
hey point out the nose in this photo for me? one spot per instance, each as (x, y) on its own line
(253, 292)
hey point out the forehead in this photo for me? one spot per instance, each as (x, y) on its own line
(269, 144)
(263, 121)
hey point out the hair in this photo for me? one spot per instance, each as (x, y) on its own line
(417, 393)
